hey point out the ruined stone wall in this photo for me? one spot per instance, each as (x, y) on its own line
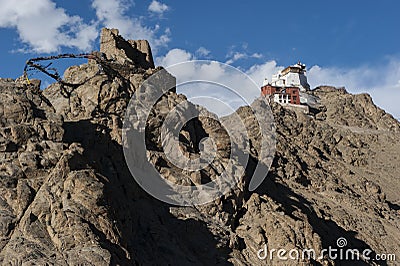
(136, 52)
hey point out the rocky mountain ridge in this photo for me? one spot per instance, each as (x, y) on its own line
(68, 198)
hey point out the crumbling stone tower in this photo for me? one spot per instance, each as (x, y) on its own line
(137, 52)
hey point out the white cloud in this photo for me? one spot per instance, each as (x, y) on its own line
(213, 82)
(44, 27)
(259, 72)
(112, 14)
(256, 55)
(355, 78)
(202, 52)
(256, 72)
(240, 53)
(173, 57)
(157, 7)
(239, 89)
(235, 56)
(382, 82)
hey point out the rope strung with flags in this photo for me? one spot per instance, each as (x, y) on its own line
(34, 64)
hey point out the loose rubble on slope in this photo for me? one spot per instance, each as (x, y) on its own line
(68, 198)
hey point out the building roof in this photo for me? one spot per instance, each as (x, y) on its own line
(297, 68)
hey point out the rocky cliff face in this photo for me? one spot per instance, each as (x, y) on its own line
(68, 198)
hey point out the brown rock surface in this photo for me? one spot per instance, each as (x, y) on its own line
(68, 198)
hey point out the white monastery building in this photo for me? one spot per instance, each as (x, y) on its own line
(291, 76)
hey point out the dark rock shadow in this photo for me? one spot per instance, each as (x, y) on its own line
(148, 231)
(393, 206)
(133, 53)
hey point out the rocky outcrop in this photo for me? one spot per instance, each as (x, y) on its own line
(115, 47)
(68, 198)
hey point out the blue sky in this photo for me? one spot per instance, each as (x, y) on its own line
(344, 43)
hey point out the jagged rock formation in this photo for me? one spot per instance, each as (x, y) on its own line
(115, 47)
(68, 198)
